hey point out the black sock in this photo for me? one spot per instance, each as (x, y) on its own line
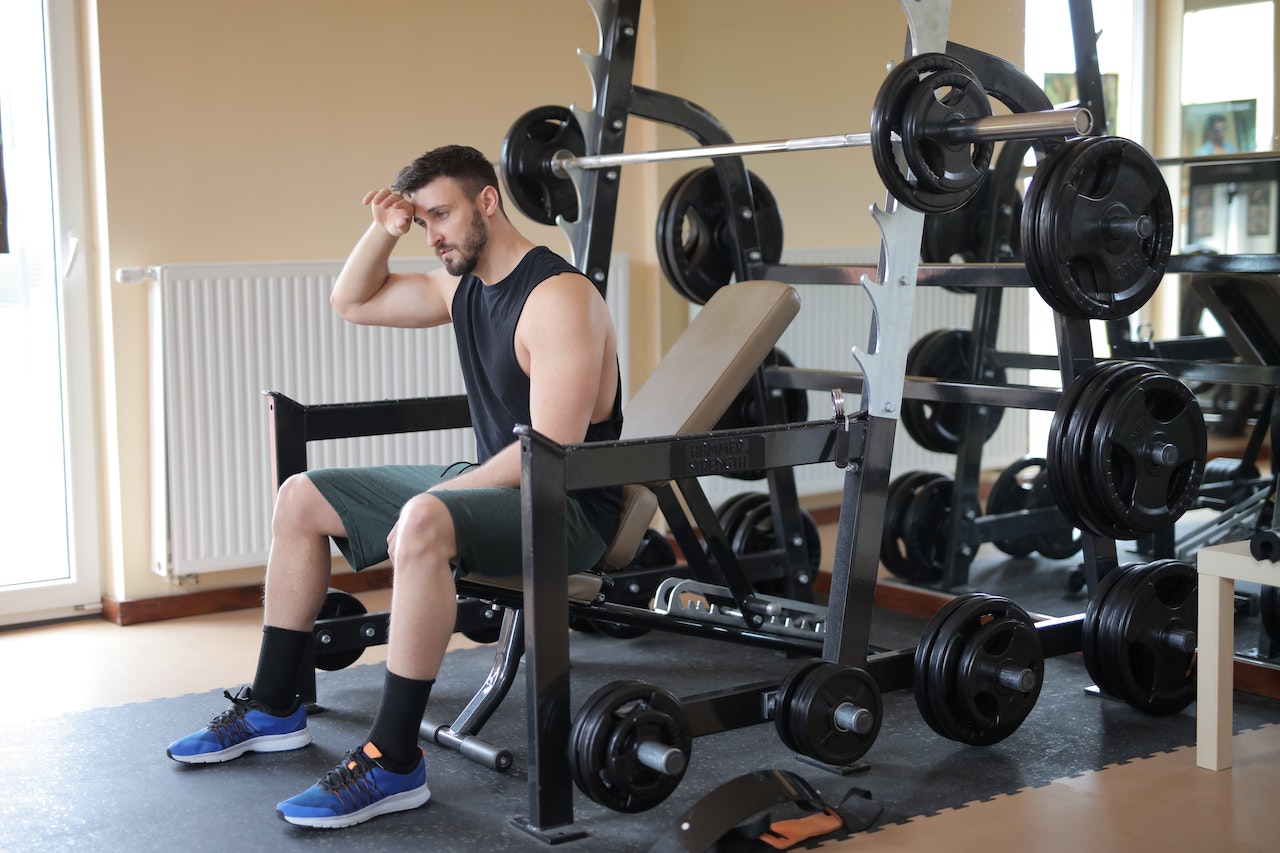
(276, 683)
(395, 728)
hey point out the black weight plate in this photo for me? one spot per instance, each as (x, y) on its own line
(1060, 540)
(784, 698)
(957, 684)
(1155, 677)
(676, 237)
(525, 161)
(338, 603)
(603, 740)
(933, 689)
(756, 534)
(936, 628)
(888, 114)
(961, 236)
(938, 163)
(897, 496)
(1036, 214)
(938, 426)
(1092, 409)
(1095, 610)
(924, 529)
(1110, 630)
(988, 710)
(1035, 211)
(811, 713)
(1108, 611)
(1012, 492)
(1058, 451)
(1097, 269)
(1136, 492)
(1070, 431)
(695, 242)
(735, 509)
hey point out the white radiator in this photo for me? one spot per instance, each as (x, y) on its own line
(221, 335)
(833, 318)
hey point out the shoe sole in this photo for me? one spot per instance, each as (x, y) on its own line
(401, 802)
(262, 743)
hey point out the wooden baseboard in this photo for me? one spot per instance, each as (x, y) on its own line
(135, 611)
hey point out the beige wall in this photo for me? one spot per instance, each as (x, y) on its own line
(247, 130)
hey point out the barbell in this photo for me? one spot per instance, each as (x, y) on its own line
(1037, 125)
(931, 109)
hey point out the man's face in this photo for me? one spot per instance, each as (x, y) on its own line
(453, 223)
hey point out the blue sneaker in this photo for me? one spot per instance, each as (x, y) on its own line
(244, 727)
(357, 789)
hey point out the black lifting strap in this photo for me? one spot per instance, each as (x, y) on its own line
(713, 823)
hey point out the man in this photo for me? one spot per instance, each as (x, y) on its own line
(537, 346)
(1215, 137)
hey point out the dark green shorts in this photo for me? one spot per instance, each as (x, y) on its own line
(486, 522)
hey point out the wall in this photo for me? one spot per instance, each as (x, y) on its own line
(242, 130)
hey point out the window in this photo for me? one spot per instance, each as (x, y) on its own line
(47, 508)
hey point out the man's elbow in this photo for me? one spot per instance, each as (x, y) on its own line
(345, 308)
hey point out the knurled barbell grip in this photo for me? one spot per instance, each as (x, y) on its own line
(1032, 125)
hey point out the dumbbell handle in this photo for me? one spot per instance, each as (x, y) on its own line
(660, 757)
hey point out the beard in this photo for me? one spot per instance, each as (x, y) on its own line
(468, 251)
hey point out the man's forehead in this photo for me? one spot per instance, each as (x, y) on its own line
(439, 193)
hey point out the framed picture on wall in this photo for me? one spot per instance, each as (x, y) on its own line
(1225, 127)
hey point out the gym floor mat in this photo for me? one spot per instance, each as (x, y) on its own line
(100, 780)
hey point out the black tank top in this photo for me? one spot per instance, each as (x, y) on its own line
(484, 322)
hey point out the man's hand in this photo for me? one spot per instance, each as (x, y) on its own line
(392, 211)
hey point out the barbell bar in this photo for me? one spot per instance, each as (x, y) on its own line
(1032, 125)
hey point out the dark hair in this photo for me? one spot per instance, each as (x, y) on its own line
(471, 169)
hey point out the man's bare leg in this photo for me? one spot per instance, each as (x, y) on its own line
(299, 564)
(424, 605)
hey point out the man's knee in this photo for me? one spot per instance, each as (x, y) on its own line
(300, 507)
(425, 529)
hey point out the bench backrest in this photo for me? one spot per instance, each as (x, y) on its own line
(697, 380)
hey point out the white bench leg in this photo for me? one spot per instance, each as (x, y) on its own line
(1214, 672)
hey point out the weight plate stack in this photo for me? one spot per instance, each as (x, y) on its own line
(925, 524)
(952, 174)
(829, 712)
(1097, 228)
(978, 669)
(1138, 635)
(606, 739)
(695, 242)
(1126, 450)
(893, 546)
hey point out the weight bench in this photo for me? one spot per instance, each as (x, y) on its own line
(694, 384)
